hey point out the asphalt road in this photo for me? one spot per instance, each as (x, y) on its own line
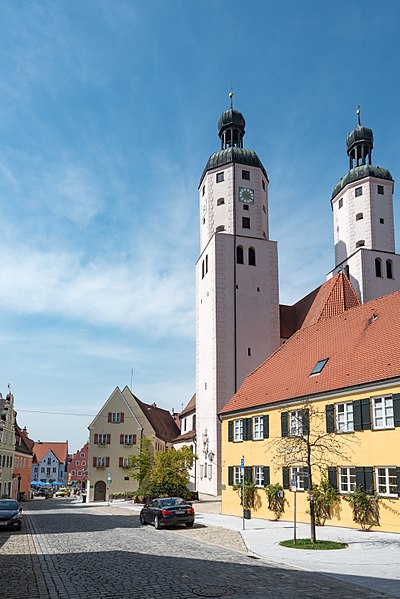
(68, 550)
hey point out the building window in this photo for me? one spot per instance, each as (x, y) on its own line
(204, 221)
(382, 221)
(358, 192)
(296, 422)
(73, 472)
(203, 191)
(128, 439)
(201, 471)
(264, 209)
(220, 177)
(116, 417)
(252, 257)
(101, 462)
(298, 474)
(245, 206)
(101, 440)
(360, 243)
(382, 410)
(82, 455)
(77, 462)
(83, 462)
(386, 481)
(340, 202)
(79, 472)
(389, 270)
(210, 471)
(259, 476)
(245, 222)
(347, 479)
(206, 263)
(239, 255)
(54, 470)
(237, 475)
(220, 228)
(378, 267)
(258, 428)
(263, 184)
(344, 417)
(202, 270)
(220, 201)
(249, 351)
(246, 175)
(359, 216)
(319, 366)
(124, 462)
(238, 430)
(49, 460)
(380, 190)
(41, 469)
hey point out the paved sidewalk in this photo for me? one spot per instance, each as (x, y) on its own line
(372, 558)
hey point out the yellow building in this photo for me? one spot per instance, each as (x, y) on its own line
(335, 385)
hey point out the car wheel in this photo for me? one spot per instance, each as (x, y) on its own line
(18, 527)
(189, 524)
(157, 525)
(142, 520)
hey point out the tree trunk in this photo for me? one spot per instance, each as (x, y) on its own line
(313, 536)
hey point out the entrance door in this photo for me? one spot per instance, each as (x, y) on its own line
(100, 491)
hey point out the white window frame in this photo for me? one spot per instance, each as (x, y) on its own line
(82, 455)
(128, 439)
(125, 462)
(258, 428)
(101, 462)
(347, 479)
(258, 476)
(83, 463)
(79, 473)
(385, 474)
(210, 471)
(238, 430)
(201, 471)
(237, 475)
(346, 425)
(386, 405)
(73, 472)
(296, 423)
(296, 472)
(116, 417)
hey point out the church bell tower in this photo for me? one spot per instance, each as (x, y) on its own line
(237, 304)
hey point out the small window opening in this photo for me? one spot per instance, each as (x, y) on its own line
(245, 207)
(220, 177)
(245, 222)
(381, 190)
(319, 366)
(249, 351)
(382, 221)
(263, 184)
(202, 270)
(360, 243)
(252, 257)
(359, 216)
(206, 263)
(239, 255)
(358, 191)
(220, 201)
(203, 190)
(220, 228)
(378, 267)
(340, 202)
(246, 175)
(258, 289)
(389, 269)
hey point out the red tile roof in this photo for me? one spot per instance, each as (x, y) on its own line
(60, 450)
(362, 344)
(190, 407)
(335, 296)
(160, 419)
(189, 436)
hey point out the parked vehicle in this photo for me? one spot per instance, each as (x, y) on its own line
(62, 492)
(167, 511)
(46, 493)
(10, 514)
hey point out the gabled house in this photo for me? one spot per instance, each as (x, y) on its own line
(78, 464)
(345, 369)
(7, 444)
(23, 458)
(187, 437)
(50, 461)
(115, 434)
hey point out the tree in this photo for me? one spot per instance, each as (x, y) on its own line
(170, 471)
(305, 443)
(141, 464)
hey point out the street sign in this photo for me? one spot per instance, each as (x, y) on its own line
(293, 485)
(242, 462)
(109, 477)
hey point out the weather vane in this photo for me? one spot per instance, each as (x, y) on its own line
(231, 95)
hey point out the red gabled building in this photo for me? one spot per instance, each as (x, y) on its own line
(78, 468)
(22, 470)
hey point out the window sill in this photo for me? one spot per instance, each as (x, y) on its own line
(345, 432)
(258, 439)
(381, 495)
(384, 428)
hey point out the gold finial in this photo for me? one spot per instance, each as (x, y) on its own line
(358, 115)
(231, 96)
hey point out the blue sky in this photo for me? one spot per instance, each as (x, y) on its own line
(108, 114)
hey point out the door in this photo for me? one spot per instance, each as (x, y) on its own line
(100, 491)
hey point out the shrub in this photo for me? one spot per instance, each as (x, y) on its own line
(276, 499)
(249, 494)
(365, 508)
(326, 501)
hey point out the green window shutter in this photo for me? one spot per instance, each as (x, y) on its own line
(332, 477)
(285, 477)
(305, 421)
(248, 474)
(365, 414)
(330, 418)
(248, 429)
(306, 478)
(266, 476)
(398, 480)
(360, 478)
(396, 408)
(230, 430)
(265, 427)
(284, 424)
(230, 475)
(357, 415)
(369, 480)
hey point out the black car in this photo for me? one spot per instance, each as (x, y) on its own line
(10, 514)
(167, 511)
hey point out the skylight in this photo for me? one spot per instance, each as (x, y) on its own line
(319, 366)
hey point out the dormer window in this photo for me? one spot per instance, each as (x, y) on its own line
(319, 366)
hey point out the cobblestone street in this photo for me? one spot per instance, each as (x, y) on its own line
(73, 551)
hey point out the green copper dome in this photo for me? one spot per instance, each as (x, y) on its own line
(231, 118)
(360, 172)
(360, 135)
(236, 155)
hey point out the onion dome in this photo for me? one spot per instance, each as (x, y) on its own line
(360, 136)
(231, 119)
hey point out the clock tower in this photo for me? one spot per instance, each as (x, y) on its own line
(237, 303)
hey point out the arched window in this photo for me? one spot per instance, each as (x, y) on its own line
(359, 216)
(202, 270)
(360, 243)
(252, 257)
(220, 201)
(378, 267)
(347, 271)
(239, 255)
(206, 263)
(220, 229)
(389, 269)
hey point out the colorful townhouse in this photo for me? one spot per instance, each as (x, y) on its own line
(337, 380)
(78, 468)
(23, 458)
(115, 434)
(50, 462)
(7, 444)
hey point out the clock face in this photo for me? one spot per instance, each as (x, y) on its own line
(246, 195)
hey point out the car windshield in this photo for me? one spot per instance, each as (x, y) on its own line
(170, 501)
(9, 505)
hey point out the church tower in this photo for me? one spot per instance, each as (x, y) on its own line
(362, 204)
(237, 304)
